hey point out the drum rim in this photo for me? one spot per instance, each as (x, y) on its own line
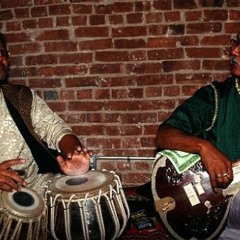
(9, 209)
(104, 187)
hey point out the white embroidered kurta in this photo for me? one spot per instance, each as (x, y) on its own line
(47, 124)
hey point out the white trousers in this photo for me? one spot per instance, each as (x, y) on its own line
(232, 230)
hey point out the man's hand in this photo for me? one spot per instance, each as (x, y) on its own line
(218, 166)
(76, 162)
(9, 179)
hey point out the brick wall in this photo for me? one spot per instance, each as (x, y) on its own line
(115, 69)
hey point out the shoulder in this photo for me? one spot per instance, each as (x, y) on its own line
(224, 87)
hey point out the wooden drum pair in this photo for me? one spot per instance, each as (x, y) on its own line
(90, 206)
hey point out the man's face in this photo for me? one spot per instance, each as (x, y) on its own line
(3, 63)
(235, 57)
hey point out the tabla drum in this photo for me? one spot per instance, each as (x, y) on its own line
(89, 206)
(23, 215)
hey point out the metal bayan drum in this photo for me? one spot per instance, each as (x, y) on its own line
(90, 206)
(23, 215)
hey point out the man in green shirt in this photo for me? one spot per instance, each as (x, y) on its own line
(207, 124)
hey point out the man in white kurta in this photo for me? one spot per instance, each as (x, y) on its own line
(17, 165)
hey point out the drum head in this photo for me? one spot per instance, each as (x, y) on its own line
(25, 203)
(89, 182)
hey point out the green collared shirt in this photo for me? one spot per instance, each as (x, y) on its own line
(212, 113)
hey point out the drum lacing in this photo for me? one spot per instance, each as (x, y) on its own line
(125, 211)
(52, 214)
(83, 217)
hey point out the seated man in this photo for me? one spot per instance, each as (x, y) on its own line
(207, 124)
(17, 159)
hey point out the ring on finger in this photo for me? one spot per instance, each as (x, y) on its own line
(219, 175)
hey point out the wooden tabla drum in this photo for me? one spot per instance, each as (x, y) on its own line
(23, 215)
(89, 206)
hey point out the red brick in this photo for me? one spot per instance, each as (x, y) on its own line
(123, 7)
(45, 22)
(116, 19)
(107, 56)
(203, 52)
(233, 3)
(234, 15)
(6, 15)
(105, 68)
(22, 12)
(57, 106)
(62, 9)
(213, 40)
(96, 44)
(62, 21)
(82, 9)
(200, 28)
(130, 43)
(165, 54)
(144, 68)
(102, 94)
(92, 32)
(137, 118)
(179, 4)
(154, 17)
(97, 19)
(13, 26)
(141, 6)
(172, 16)
(15, 4)
(162, 42)
(62, 46)
(53, 35)
(162, 5)
(103, 9)
(142, 165)
(75, 58)
(193, 15)
(79, 20)
(67, 95)
(45, 83)
(136, 178)
(171, 91)
(85, 94)
(39, 11)
(155, 91)
(134, 18)
(217, 65)
(169, 66)
(129, 31)
(41, 60)
(216, 15)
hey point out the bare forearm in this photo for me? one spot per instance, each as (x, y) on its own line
(172, 138)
